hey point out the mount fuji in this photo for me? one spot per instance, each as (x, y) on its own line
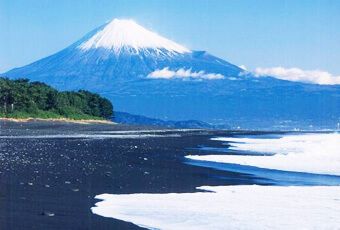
(144, 73)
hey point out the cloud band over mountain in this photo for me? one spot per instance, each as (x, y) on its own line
(166, 73)
(295, 74)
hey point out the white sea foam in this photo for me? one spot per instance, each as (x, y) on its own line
(90, 136)
(311, 153)
(148, 131)
(229, 207)
(121, 134)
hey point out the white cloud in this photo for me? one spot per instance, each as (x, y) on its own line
(166, 73)
(295, 74)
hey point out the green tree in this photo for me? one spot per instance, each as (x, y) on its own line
(23, 98)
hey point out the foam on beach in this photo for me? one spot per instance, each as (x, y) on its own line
(228, 207)
(90, 136)
(150, 131)
(245, 206)
(309, 153)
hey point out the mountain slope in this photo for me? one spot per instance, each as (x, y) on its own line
(119, 50)
(144, 73)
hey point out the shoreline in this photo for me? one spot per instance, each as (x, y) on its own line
(51, 183)
(81, 121)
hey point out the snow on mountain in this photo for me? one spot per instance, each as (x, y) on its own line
(120, 33)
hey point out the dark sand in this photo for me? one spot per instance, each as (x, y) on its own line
(50, 183)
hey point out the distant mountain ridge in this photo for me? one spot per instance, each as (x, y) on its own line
(126, 118)
(144, 73)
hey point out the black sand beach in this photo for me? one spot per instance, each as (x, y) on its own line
(50, 182)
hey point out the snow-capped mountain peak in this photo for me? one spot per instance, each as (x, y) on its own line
(122, 33)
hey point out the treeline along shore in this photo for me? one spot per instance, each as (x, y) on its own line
(22, 99)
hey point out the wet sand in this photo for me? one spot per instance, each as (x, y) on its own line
(50, 183)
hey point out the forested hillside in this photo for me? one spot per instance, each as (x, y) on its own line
(22, 99)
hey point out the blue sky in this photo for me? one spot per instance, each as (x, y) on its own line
(303, 34)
